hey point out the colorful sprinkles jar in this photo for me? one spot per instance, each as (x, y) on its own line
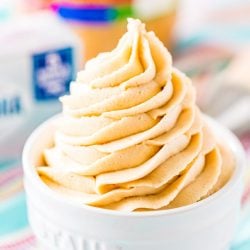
(100, 23)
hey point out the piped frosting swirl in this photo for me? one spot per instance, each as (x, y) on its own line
(131, 136)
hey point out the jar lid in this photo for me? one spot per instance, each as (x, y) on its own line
(93, 12)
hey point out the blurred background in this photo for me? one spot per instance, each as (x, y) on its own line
(43, 43)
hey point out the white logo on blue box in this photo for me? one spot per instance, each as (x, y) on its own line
(52, 73)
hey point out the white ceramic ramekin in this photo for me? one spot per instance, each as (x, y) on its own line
(61, 225)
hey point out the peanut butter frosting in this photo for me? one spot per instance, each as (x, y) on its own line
(131, 137)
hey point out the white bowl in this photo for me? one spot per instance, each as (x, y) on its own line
(62, 225)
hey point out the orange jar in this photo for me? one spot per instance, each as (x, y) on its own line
(100, 23)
